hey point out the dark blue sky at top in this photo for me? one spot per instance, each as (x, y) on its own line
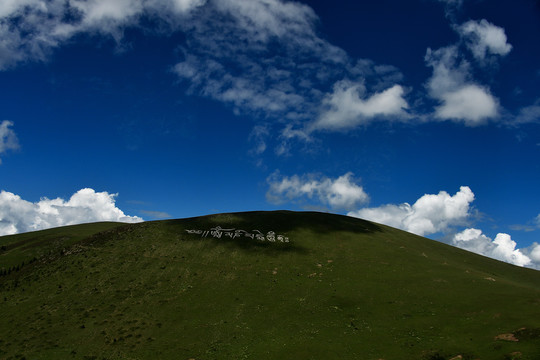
(115, 116)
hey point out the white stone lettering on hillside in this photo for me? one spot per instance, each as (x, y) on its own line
(218, 232)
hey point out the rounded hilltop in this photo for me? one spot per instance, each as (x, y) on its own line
(225, 287)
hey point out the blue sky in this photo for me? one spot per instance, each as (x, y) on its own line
(423, 115)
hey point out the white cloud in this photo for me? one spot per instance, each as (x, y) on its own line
(391, 215)
(428, 215)
(8, 139)
(340, 193)
(528, 114)
(184, 6)
(271, 18)
(473, 240)
(288, 135)
(502, 248)
(18, 215)
(461, 99)
(99, 12)
(260, 56)
(180, 8)
(265, 58)
(534, 254)
(31, 29)
(506, 250)
(471, 103)
(440, 213)
(451, 7)
(258, 135)
(347, 106)
(484, 38)
(448, 74)
(9, 7)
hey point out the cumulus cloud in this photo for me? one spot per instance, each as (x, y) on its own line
(431, 213)
(471, 103)
(434, 213)
(506, 250)
(473, 240)
(484, 39)
(339, 193)
(501, 248)
(86, 205)
(461, 99)
(8, 139)
(348, 106)
(534, 254)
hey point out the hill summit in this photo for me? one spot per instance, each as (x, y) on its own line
(259, 285)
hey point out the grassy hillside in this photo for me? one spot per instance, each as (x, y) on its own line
(22, 249)
(340, 288)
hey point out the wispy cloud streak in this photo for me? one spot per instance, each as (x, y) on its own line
(8, 138)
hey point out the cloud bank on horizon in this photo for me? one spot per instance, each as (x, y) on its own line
(303, 88)
(430, 214)
(86, 205)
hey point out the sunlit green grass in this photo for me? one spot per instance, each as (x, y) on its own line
(342, 288)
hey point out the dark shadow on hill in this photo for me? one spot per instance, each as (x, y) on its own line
(285, 221)
(280, 222)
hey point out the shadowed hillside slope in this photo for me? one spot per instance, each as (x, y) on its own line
(264, 285)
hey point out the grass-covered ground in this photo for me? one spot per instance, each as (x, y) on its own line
(341, 288)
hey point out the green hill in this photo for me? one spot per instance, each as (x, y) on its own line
(326, 287)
